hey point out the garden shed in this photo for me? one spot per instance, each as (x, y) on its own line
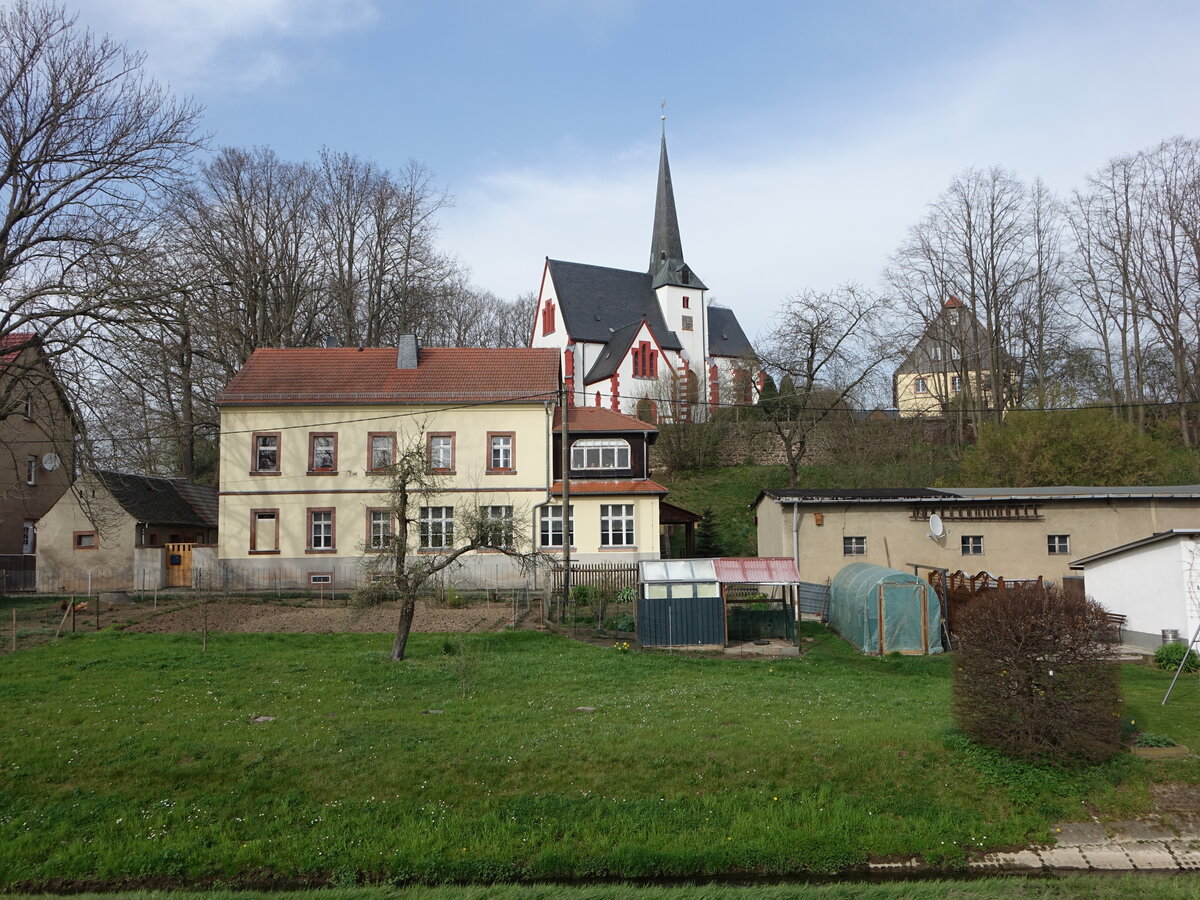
(682, 602)
(882, 610)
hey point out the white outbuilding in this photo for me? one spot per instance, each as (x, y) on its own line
(1154, 582)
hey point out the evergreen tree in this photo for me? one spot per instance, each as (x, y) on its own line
(708, 542)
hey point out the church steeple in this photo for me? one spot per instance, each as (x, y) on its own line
(666, 248)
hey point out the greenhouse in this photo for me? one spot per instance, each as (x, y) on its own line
(882, 610)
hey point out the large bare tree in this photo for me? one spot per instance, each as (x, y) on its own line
(825, 346)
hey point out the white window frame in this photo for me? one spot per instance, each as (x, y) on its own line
(436, 527)
(589, 454)
(500, 452)
(260, 447)
(854, 545)
(972, 545)
(617, 525)
(1058, 544)
(920, 386)
(380, 528)
(503, 514)
(441, 452)
(320, 529)
(31, 467)
(550, 526)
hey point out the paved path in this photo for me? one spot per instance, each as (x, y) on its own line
(1139, 846)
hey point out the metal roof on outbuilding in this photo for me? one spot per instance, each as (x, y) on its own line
(756, 570)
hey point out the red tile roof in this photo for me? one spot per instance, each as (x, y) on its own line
(12, 344)
(594, 418)
(334, 375)
(629, 486)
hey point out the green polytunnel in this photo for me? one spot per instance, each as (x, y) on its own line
(882, 610)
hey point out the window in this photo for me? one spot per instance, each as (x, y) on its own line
(645, 361)
(266, 453)
(322, 453)
(551, 531)
(320, 578)
(616, 524)
(600, 453)
(437, 527)
(920, 386)
(687, 302)
(29, 536)
(548, 317)
(31, 470)
(85, 540)
(686, 323)
(972, 545)
(1058, 544)
(379, 528)
(854, 546)
(956, 383)
(936, 353)
(264, 531)
(320, 530)
(500, 451)
(441, 452)
(381, 450)
(499, 522)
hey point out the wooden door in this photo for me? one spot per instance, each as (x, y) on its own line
(179, 565)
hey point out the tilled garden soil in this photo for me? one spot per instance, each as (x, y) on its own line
(259, 618)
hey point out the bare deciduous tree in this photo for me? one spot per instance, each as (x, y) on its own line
(826, 344)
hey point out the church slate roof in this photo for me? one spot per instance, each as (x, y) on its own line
(595, 301)
(614, 351)
(725, 335)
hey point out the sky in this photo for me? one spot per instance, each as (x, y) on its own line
(805, 138)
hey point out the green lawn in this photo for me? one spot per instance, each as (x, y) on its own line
(126, 757)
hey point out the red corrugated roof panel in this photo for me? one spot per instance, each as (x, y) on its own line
(756, 570)
(331, 375)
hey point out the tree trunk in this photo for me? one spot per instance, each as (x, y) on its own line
(407, 607)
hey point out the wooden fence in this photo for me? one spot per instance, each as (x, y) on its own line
(607, 577)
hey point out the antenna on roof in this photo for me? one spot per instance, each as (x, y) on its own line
(937, 528)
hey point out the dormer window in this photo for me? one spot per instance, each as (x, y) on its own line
(593, 453)
(685, 275)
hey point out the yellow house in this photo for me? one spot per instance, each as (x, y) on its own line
(307, 433)
(949, 366)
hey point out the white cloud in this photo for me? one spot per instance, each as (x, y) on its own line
(762, 217)
(202, 43)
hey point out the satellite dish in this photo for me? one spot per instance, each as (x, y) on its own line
(937, 528)
(50, 462)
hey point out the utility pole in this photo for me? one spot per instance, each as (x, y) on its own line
(566, 499)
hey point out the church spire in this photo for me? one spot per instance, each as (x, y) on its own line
(665, 245)
(666, 248)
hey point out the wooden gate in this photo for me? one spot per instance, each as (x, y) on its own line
(179, 565)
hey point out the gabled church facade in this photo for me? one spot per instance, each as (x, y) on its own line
(647, 343)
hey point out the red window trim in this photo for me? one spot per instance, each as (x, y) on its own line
(312, 469)
(371, 435)
(512, 453)
(254, 513)
(367, 542)
(75, 540)
(308, 531)
(429, 436)
(254, 470)
(548, 323)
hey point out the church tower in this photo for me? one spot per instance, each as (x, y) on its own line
(681, 294)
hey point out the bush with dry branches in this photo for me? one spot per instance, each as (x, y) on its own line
(1035, 676)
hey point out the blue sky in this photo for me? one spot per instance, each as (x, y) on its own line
(805, 137)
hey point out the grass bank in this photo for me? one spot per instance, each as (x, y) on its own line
(129, 759)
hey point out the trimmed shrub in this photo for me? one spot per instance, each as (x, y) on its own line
(1168, 657)
(1035, 676)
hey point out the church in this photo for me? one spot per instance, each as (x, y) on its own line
(649, 344)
